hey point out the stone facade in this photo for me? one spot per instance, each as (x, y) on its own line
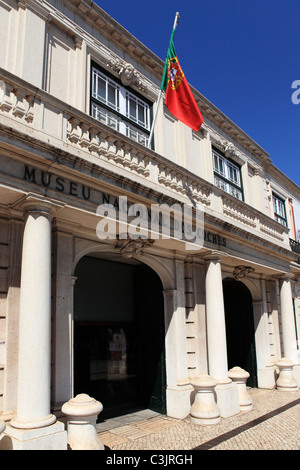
(59, 162)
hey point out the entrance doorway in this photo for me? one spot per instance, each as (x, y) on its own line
(119, 355)
(240, 328)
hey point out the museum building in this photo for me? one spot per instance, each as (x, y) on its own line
(91, 300)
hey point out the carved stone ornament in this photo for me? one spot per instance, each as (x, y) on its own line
(229, 149)
(127, 73)
(242, 271)
(133, 247)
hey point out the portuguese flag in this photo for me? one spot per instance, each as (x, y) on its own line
(179, 98)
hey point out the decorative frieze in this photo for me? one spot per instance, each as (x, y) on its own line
(132, 247)
(241, 272)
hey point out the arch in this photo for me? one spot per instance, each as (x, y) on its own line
(254, 286)
(120, 337)
(162, 267)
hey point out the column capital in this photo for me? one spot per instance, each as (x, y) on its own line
(34, 204)
(285, 277)
(214, 255)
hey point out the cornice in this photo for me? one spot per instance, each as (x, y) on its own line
(93, 15)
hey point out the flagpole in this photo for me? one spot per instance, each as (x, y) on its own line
(160, 91)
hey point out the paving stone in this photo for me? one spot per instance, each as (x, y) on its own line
(273, 424)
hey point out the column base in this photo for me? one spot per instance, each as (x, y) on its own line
(33, 424)
(227, 399)
(179, 401)
(53, 437)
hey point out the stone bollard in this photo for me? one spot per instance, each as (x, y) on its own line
(82, 412)
(240, 376)
(286, 380)
(204, 410)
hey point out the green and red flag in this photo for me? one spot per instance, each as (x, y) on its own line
(179, 97)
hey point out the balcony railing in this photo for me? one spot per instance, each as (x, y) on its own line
(48, 119)
(295, 246)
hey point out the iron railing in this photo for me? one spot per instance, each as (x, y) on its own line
(295, 246)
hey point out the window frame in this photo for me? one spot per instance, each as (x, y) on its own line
(124, 124)
(277, 216)
(230, 185)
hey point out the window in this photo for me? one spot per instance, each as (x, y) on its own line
(227, 175)
(279, 210)
(117, 107)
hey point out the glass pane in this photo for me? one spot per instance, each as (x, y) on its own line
(219, 164)
(132, 109)
(137, 110)
(143, 140)
(141, 115)
(101, 89)
(216, 166)
(220, 184)
(233, 173)
(137, 135)
(111, 95)
(105, 117)
(280, 209)
(131, 133)
(94, 85)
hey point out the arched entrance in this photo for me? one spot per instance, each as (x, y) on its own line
(240, 328)
(119, 356)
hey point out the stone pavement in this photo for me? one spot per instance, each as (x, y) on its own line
(273, 424)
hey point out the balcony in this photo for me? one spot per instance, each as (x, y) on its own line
(295, 246)
(40, 116)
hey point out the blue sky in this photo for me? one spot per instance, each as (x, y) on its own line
(242, 55)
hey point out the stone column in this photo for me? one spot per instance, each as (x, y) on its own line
(33, 405)
(288, 320)
(215, 319)
(227, 393)
(33, 400)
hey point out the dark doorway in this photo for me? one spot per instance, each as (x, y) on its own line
(240, 328)
(119, 356)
